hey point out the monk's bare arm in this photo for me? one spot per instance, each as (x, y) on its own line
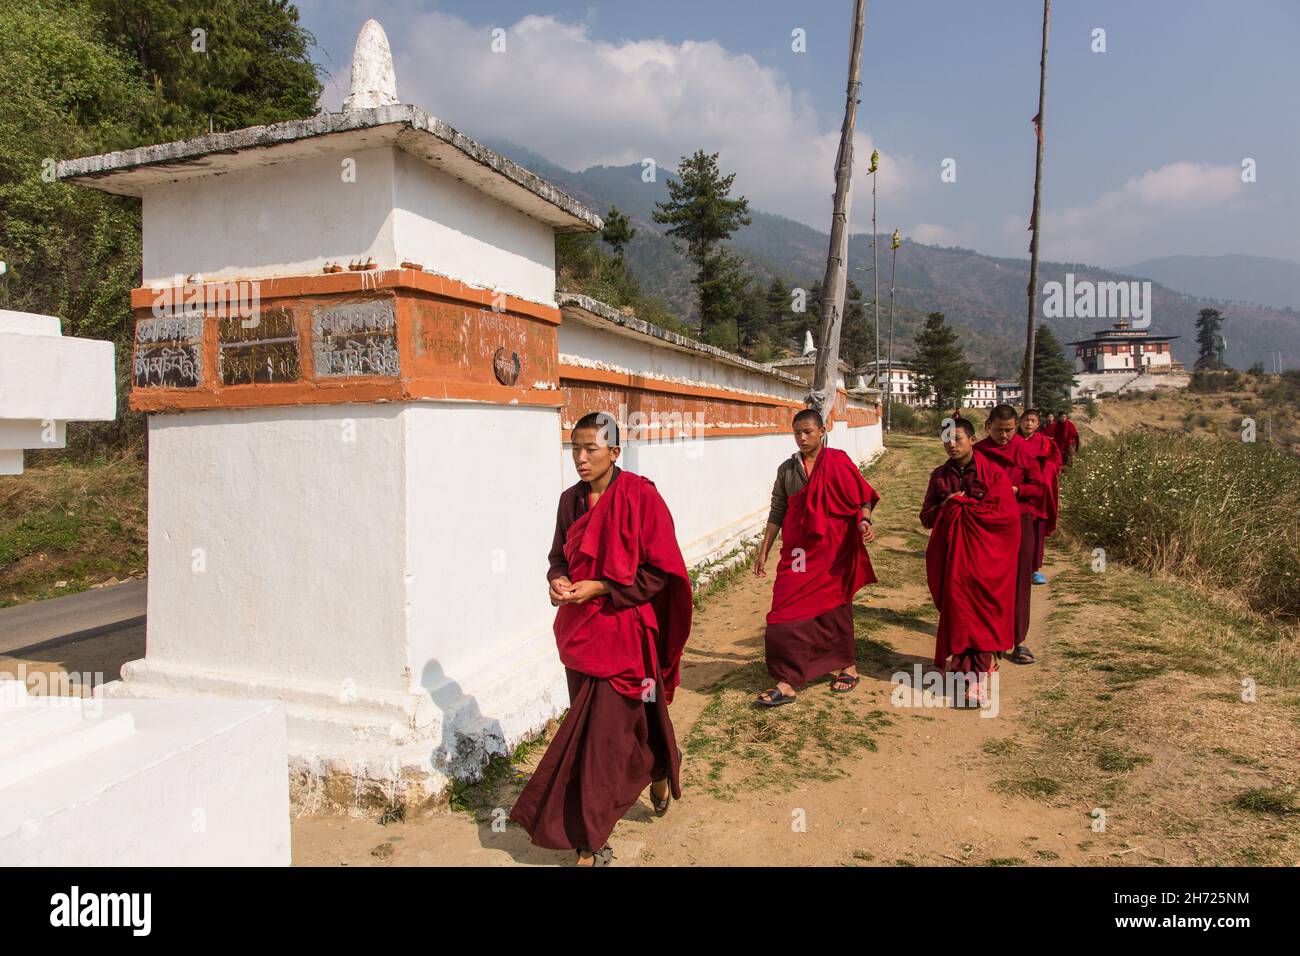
(769, 535)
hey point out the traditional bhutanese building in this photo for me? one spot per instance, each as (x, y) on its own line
(1122, 349)
(903, 382)
(981, 392)
(901, 379)
(1010, 393)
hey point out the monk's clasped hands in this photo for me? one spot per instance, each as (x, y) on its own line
(564, 591)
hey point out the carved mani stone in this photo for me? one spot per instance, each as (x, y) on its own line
(506, 365)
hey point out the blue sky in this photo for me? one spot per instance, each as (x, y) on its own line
(1144, 141)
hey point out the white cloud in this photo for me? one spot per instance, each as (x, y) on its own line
(580, 102)
(1126, 224)
(930, 233)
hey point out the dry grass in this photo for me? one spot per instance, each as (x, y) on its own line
(1223, 511)
(1142, 724)
(75, 523)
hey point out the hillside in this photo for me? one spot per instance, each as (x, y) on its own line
(1273, 403)
(983, 295)
(1272, 283)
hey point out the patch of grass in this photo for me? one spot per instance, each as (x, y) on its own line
(1000, 747)
(1240, 760)
(1278, 801)
(779, 747)
(1005, 861)
(1114, 759)
(76, 523)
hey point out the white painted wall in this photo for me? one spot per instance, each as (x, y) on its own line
(380, 568)
(480, 502)
(451, 228)
(294, 218)
(652, 357)
(289, 219)
(718, 488)
(300, 536)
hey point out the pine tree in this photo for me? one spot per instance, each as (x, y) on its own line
(618, 231)
(702, 215)
(1208, 326)
(857, 345)
(1053, 373)
(777, 310)
(941, 367)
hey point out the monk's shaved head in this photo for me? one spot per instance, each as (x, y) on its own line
(808, 415)
(1002, 413)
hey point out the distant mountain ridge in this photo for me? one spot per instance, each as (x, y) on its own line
(1260, 280)
(984, 296)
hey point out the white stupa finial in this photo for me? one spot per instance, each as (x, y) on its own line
(862, 382)
(808, 347)
(374, 82)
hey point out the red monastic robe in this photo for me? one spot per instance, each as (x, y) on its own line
(622, 654)
(972, 558)
(1022, 469)
(823, 565)
(1048, 456)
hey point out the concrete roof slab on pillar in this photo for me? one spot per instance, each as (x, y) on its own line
(130, 172)
(53, 377)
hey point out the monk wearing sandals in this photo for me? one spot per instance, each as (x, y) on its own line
(822, 507)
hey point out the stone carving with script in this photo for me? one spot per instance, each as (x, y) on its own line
(264, 353)
(169, 352)
(355, 338)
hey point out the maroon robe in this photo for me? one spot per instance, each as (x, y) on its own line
(621, 653)
(1021, 467)
(1048, 456)
(971, 562)
(823, 564)
(1066, 436)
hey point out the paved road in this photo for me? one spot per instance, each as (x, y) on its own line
(77, 616)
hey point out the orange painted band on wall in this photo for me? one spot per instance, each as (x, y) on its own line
(361, 281)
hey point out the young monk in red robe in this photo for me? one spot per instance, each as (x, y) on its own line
(1048, 456)
(1066, 436)
(624, 599)
(1006, 449)
(970, 562)
(822, 507)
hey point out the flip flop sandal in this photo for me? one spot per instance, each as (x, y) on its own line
(774, 698)
(843, 683)
(1022, 655)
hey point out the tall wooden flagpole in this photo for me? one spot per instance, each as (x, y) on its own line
(822, 396)
(1035, 222)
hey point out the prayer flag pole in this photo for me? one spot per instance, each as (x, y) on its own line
(822, 395)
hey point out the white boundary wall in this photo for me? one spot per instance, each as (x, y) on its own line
(718, 488)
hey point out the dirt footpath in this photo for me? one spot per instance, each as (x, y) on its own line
(843, 780)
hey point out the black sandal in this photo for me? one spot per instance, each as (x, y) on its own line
(775, 698)
(598, 857)
(1021, 655)
(660, 808)
(849, 681)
